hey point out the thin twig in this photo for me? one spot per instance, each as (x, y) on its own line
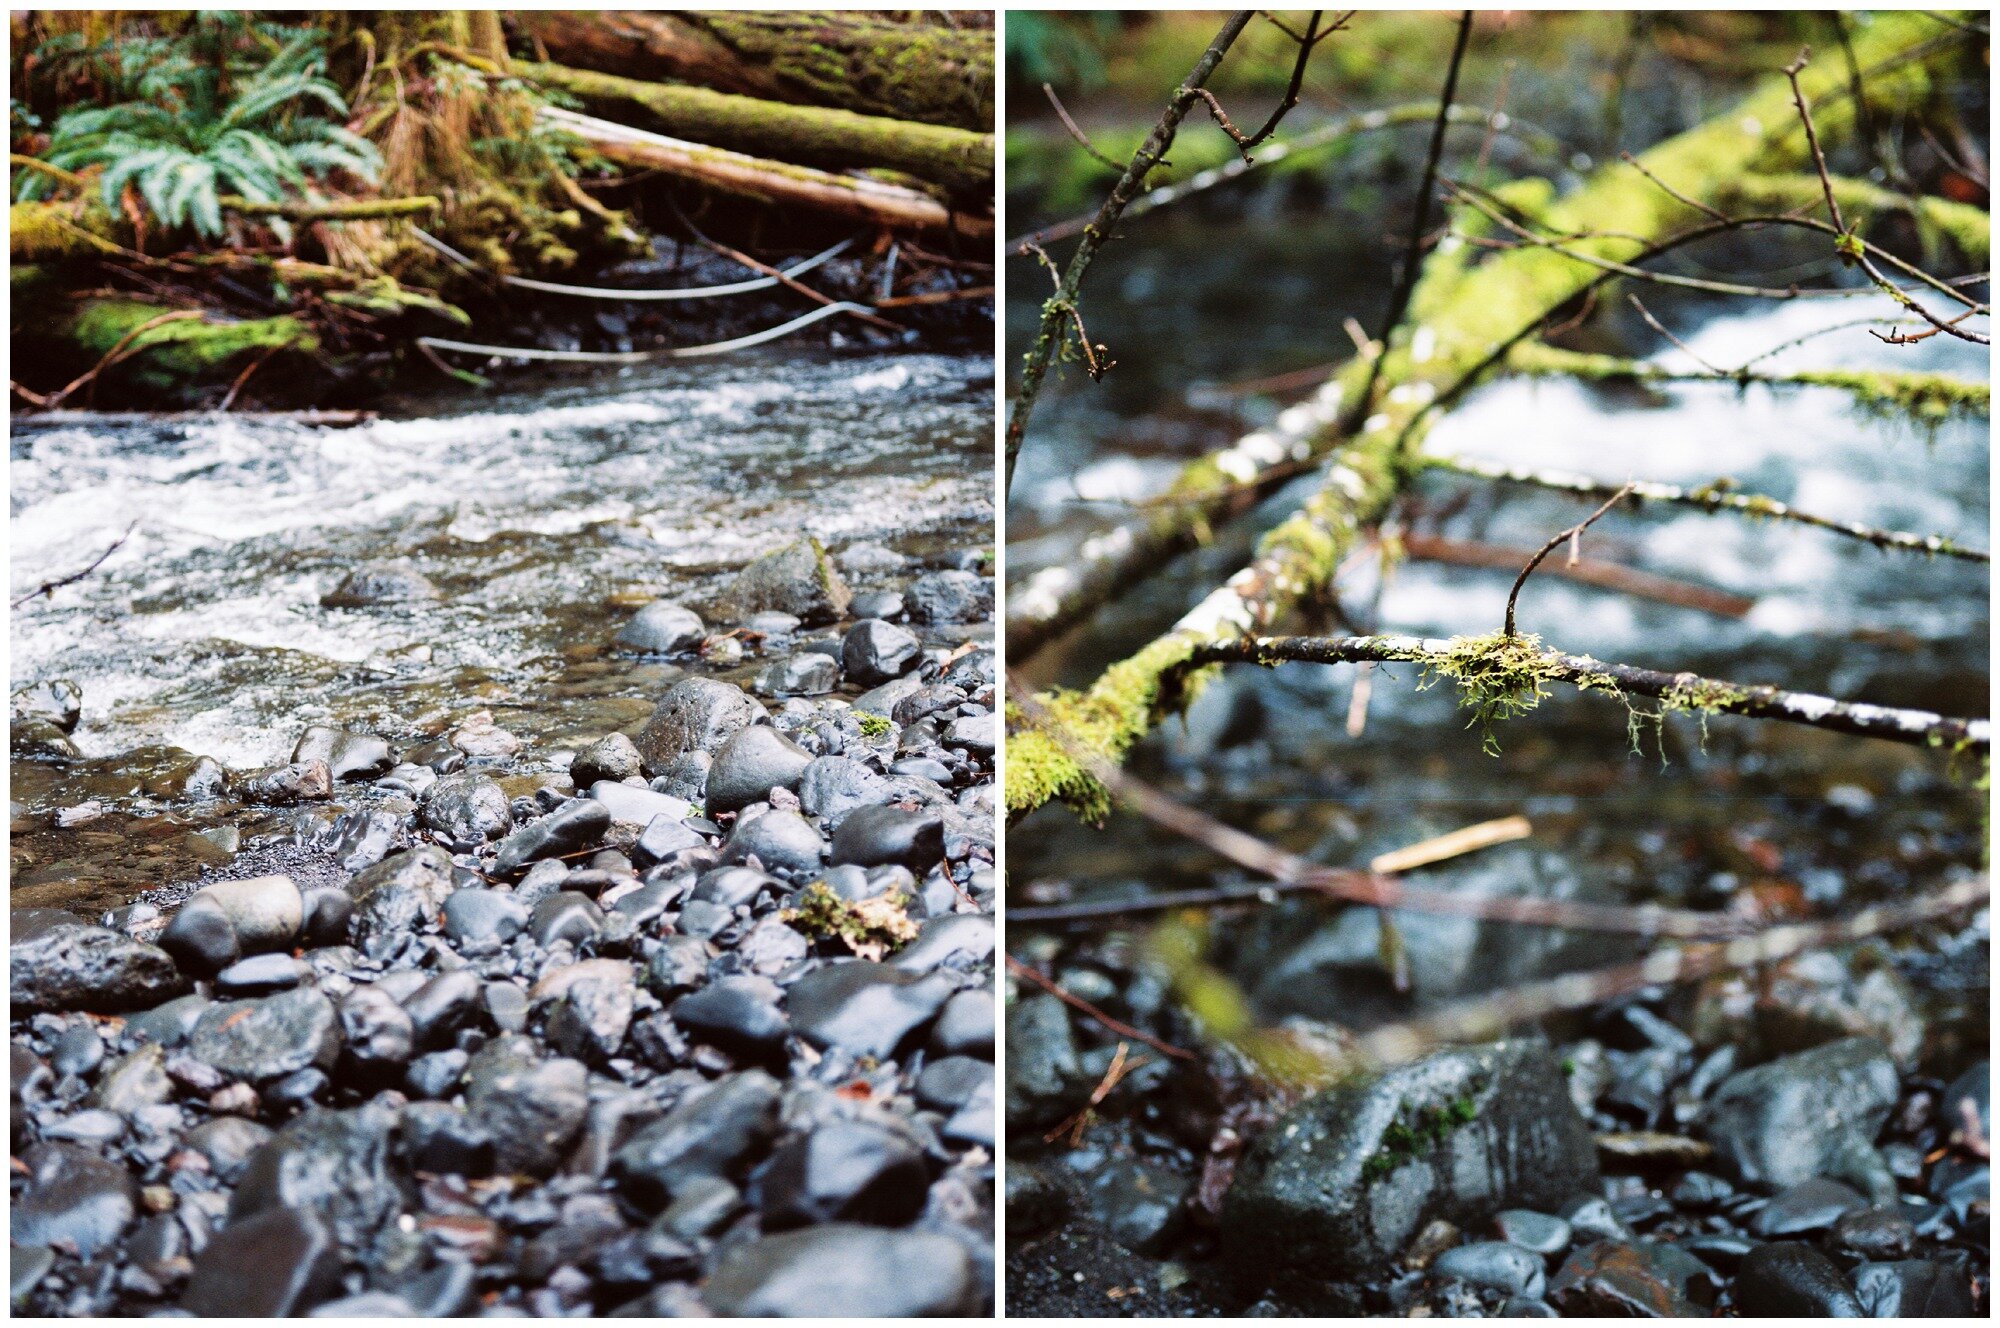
(1557, 540)
(1057, 310)
(1669, 190)
(1413, 257)
(1585, 571)
(794, 284)
(50, 587)
(1113, 1075)
(1660, 328)
(1074, 1001)
(1075, 132)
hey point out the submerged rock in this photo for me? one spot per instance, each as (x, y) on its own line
(662, 628)
(385, 583)
(1339, 1185)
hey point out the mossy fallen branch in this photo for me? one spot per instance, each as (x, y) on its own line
(1500, 677)
(1969, 228)
(186, 352)
(1925, 397)
(344, 209)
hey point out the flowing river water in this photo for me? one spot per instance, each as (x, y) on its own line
(544, 511)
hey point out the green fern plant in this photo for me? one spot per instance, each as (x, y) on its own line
(205, 125)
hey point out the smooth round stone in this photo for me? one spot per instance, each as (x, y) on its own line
(701, 919)
(879, 836)
(704, 1135)
(260, 975)
(266, 911)
(956, 939)
(94, 1127)
(1790, 1280)
(678, 966)
(483, 915)
(327, 912)
(612, 758)
(733, 886)
(781, 840)
(864, 1008)
(277, 1264)
(566, 916)
(348, 755)
(1874, 1235)
(1537, 1232)
(739, 1014)
(1699, 1189)
(1495, 1265)
(228, 1142)
(1811, 1206)
(662, 628)
(72, 1196)
(885, 604)
(442, 1006)
(200, 937)
(771, 623)
(378, 1032)
(506, 1006)
(574, 826)
(845, 1270)
(965, 1026)
(750, 765)
(78, 1051)
(975, 733)
(262, 1040)
(948, 597)
(874, 651)
(436, 1075)
(843, 1171)
(834, 787)
(808, 673)
(949, 1082)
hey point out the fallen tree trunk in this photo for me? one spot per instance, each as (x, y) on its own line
(854, 61)
(869, 201)
(958, 159)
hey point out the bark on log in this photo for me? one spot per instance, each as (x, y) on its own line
(958, 159)
(869, 201)
(854, 61)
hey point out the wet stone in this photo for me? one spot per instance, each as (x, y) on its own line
(200, 938)
(261, 1040)
(662, 628)
(880, 836)
(1636, 1279)
(347, 755)
(678, 966)
(864, 1008)
(874, 651)
(782, 841)
(1913, 1289)
(589, 1022)
(72, 1196)
(384, 583)
(334, 1163)
(1814, 1205)
(566, 916)
(1805, 1116)
(288, 785)
(948, 597)
(843, 1270)
(1494, 1265)
(61, 963)
(798, 579)
(468, 809)
(703, 1136)
(1138, 1204)
(694, 715)
(750, 765)
(400, 894)
(1344, 1180)
(442, 1006)
(630, 804)
(843, 1171)
(274, 1265)
(531, 1108)
(361, 839)
(1787, 1280)
(260, 975)
(834, 787)
(377, 1034)
(1874, 1235)
(808, 673)
(739, 1014)
(1533, 1231)
(483, 915)
(576, 825)
(266, 912)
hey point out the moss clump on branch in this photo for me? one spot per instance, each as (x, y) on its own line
(1969, 228)
(1500, 677)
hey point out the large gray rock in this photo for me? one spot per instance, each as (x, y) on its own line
(844, 1271)
(468, 809)
(400, 894)
(708, 1135)
(56, 961)
(695, 715)
(267, 1039)
(532, 1107)
(266, 912)
(276, 1265)
(1810, 1115)
(1337, 1188)
(750, 765)
(333, 1163)
(798, 579)
(662, 628)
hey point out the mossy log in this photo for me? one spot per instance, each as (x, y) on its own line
(43, 232)
(958, 159)
(856, 61)
(345, 209)
(1462, 317)
(1970, 229)
(858, 199)
(1924, 397)
(189, 352)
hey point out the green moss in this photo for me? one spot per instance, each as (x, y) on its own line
(872, 725)
(1500, 677)
(1405, 1140)
(870, 928)
(185, 352)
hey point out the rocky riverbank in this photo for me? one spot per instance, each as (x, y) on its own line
(692, 1018)
(1775, 1149)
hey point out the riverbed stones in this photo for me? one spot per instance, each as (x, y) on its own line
(864, 1007)
(262, 1040)
(843, 1171)
(948, 597)
(662, 628)
(1343, 1182)
(782, 841)
(55, 961)
(334, 1163)
(531, 1107)
(347, 754)
(200, 937)
(886, 835)
(467, 809)
(55, 701)
(739, 1014)
(751, 764)
(400, 893)
(1786, 1279)
(634, 804)
(73, 1196)
(705, 1135)
(382, 583)
(807, 673)
(845, 1270)
(611, 758)
(265, 912)
(695, 715)
(874, 651)
(798, 579)
(1806, 1116)
(483, 915)
(1631, 1279)
(575, 825)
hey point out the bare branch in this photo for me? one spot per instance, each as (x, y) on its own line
(1071, 999)
(1556, 541)
(50, 587)
(1075, 132)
